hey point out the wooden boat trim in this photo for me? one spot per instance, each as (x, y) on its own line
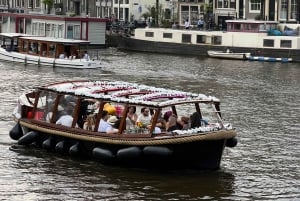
(108, 139)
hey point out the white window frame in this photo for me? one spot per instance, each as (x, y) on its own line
(256, 4)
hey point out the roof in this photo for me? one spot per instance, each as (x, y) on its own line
(56, 40)
(13, 35)
(131, 93)
(251, 21)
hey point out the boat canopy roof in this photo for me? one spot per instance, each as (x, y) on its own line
(55, 40)
(128, 93)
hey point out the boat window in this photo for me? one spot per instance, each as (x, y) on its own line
(186, 38)
(237, 27)
(167, 35)
(25, 46)
(149, 34)
(268, 43)
(286, 43)
(52, 50)
(262, 27)
(217, 40)
(201, 39)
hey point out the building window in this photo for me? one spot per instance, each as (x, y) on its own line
(255, 6)
(167, 35)
(76, 31)
(283, 9)
(30, 4)
(293, 9)
(149, 34)
(286, 43)
(186, 38)
(268, 43)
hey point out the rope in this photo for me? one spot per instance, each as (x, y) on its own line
(180, 139)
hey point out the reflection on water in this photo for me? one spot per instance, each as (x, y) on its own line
(260, 99)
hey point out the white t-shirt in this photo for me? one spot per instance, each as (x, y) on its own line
(65, 120)
(104, 126)
(144, 119)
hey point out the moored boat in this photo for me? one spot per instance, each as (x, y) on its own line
(229, 54)
(45, 51)
(196, 143)
(241, 36)
(269, 59)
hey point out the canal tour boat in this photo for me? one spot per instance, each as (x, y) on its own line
(183, 129)
(241, 36)
(45, 51)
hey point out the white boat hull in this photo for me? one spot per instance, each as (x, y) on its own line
(228, 55)
(11, 56)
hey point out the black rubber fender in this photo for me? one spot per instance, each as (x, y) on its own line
(103, 154)
(232, 142)
(16, 132)
(28, 138)
(129, 153)
(159, 151)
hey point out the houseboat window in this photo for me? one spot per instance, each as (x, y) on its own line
(268, 43)
(83, 30)
(201, 38)
(25, 46)
(70, 31)
(77, 32)
(167, 35)
(286, 43)
(52, 50)
(149, 34)
(41, 29)
(48, 27)
(186, 38)
(262, 27)
(217, 40)
(60, 31)
(237, 26)
(43, 49)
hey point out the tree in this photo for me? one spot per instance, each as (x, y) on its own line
(49, 4)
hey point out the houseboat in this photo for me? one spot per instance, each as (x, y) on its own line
(241, 36)
(94, 119)
(45, 51)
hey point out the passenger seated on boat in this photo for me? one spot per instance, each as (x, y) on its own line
(157, 130)
(89, 124)
(185, 123)
(61, 56)
(197, 121)
(144, 117)
(131, 117)
(86, 56)
(104, 126)
(172, 124)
